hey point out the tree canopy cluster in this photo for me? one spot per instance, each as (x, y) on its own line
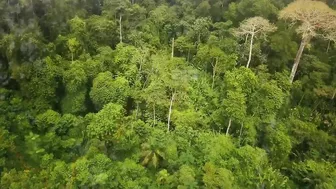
(167, 94)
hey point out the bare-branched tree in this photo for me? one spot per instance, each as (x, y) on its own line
(315, 18)
(254, 27)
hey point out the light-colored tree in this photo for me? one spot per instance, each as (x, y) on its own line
(73, 45)
(118, 8)
(172, 75)
(315, 19)
(331, 37)
(201, 28)
(253, 27)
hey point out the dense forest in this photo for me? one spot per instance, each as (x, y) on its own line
(167, 94)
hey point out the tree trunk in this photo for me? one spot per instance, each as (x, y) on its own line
(297, 59)
(31, 6)
(250, 54)
(328, 46)
(137, 110)
(72, 57)
(246, 38)
(188, 54)
(228, 128)
(301, 99)
(170, 110)
(214, 67)
(333, 96)
(154, 116)
(199, 39)
(172, 50)
(120, 32)
(240, 132)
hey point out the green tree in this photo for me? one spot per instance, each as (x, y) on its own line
(240, 84)
(209, 55)
(201, 28)
(107, 89)
(215, 177)
(75, 81)
(105, 124)
(175, 75)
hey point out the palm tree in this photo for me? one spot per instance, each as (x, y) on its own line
(151, 155)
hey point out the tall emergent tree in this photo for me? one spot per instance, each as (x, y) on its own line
(315, 19)
(253, 27)
(330, 36)
(120, 9)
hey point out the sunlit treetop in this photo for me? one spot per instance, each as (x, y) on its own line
(314, 16)
(255, 25)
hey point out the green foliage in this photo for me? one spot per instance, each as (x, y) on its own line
(201, 29)
(208, 55)
(106, 90)
(93, 171)
(74, 102)
(217, 177)
(279, 145)
(218, 149)
(73, 46)
(6, 146)
(271, 101)
(74, 79)
(246, 8)
(186, 177)
(253, 171)
(47, 120)
(153, 94)
(101, 30)
(129, 174)
(105, 123)
(315, 174)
